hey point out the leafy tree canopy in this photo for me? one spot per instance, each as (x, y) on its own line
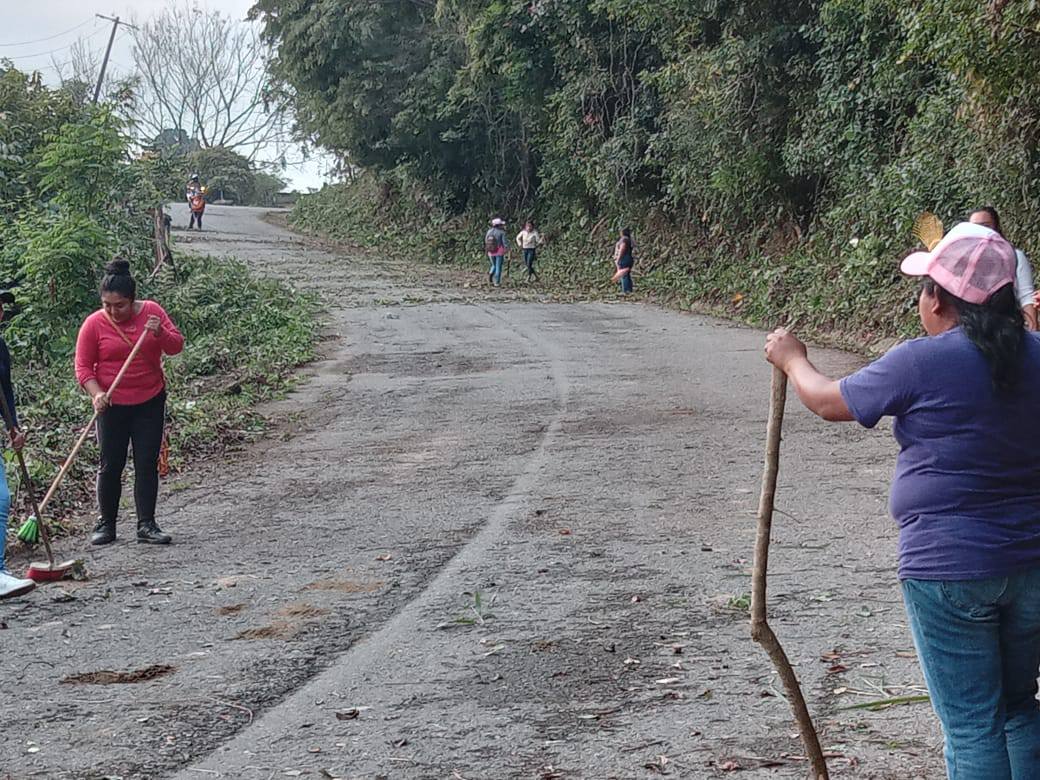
(749, 118)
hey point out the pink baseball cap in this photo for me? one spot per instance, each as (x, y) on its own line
(971, 262)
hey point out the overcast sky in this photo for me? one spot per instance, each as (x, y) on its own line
(36, 34)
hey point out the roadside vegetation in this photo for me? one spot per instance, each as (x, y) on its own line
(72, 196)
(770, 157)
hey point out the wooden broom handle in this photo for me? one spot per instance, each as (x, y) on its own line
(86, 431)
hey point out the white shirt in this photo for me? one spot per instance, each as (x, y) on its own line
(528, 239)
(1023, 279)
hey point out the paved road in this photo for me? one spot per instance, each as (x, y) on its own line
(589, 472)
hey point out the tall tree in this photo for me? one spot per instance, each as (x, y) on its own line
(206, 73)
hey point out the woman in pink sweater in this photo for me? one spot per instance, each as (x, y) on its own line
(136, 411)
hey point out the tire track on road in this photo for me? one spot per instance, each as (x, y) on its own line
(367, 660)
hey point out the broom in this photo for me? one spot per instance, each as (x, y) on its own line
(34, 528)
(928, 229)
(48, 572)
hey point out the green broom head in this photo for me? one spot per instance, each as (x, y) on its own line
(29, 532)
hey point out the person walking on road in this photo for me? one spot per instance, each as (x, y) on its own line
(10, 586)
(195, 194)
(1024, 289)
(624, 259)
(529, 240)
(136, 412)
(197, 205)
(495, 246)
(966, 493)
(194, 186)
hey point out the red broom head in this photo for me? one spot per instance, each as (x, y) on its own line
(44, 572)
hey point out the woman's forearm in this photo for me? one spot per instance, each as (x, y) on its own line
(820, 394)
(92, 388)
(1029, 312)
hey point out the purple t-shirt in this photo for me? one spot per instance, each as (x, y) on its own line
(966, 491)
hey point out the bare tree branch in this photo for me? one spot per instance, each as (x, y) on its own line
(206, 74)
(81, 64)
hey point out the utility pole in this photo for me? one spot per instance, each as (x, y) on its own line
(111, 39)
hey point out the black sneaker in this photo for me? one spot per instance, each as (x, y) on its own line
(150, 533)
(104, 532)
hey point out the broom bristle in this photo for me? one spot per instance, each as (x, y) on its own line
(29, 532)
(928, 228)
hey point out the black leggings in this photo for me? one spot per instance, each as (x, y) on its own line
(196, 218)
(117, 428)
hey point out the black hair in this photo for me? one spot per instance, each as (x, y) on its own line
(626, 232)
(117, 279)
(996, 328)
(992, 215)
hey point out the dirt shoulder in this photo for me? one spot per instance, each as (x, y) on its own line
(496, 538)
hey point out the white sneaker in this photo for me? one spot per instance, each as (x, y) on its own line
(13, 586)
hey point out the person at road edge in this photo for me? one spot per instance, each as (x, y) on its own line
(495, 247)
(624, 259)
(10, 586)
(965, 494)
(1024, 289)
(529, 240)
(136, 412)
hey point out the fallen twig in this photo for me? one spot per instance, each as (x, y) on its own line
(895, 701)
(232, 705)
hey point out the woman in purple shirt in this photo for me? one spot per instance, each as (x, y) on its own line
(966, 493)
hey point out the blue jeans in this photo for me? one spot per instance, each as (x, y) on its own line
(978, 642)
(530, 255)
(626, 280)
(5, 510)
(495, 271)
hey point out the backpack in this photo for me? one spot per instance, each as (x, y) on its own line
(198, 203)
(490, 242)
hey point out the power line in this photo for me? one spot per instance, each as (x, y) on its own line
(58, 67)
(54, 51)
(49, 37)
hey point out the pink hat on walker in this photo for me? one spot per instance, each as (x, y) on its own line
(971, 262)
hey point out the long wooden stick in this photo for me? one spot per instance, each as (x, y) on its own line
(760, 630)
(83, 436)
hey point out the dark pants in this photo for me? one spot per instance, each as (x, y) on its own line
(117, 428)
(196, 219)
(626, 280)
(529, 257)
